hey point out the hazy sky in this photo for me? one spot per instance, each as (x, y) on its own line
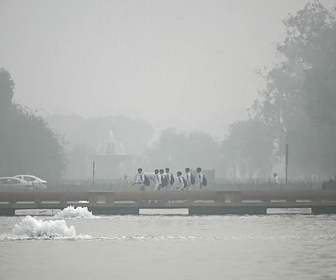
(177, 62)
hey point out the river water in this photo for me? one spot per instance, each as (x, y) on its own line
(74, 244)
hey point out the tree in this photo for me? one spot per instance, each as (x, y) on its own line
(78, 162)
(6, 91)
(248, 150)
(299, 100)
(179, 150)
(27, 145)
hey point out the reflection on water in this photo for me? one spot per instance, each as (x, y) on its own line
(170, 247)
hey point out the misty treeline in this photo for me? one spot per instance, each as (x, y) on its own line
(296, 107)
(85, 137)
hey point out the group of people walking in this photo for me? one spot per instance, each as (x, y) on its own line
(165, 180)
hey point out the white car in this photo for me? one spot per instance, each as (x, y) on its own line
(10, 183)
(37, 182)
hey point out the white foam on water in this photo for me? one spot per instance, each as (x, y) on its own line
(32, 228)
(75, 213)
(145, 238)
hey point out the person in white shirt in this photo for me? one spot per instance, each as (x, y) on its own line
(181, 182)
(275, 178)
(140, 180)
(188, 177)
(157, 180)
(164, 181)
(170, 178)
(199, 182)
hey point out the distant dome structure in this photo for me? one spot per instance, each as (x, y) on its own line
(114, 147)
(112, 161)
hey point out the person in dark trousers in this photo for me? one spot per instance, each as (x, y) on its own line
(140, 180)
(200, 176)
(164, 181)
(170, 178)
(188, 177)
(181, 182)
(157, 180)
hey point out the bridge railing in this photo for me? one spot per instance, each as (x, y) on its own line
(289, 195)
(66, 197)
(63, 197)
(218, 185)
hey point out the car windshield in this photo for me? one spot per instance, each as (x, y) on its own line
(28, 178)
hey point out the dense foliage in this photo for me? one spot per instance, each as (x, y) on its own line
(299, 101)
(27, 145)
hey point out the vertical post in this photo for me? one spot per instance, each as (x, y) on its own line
(286, 164)
(93, 173)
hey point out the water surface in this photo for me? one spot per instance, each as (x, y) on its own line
(86, 247)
